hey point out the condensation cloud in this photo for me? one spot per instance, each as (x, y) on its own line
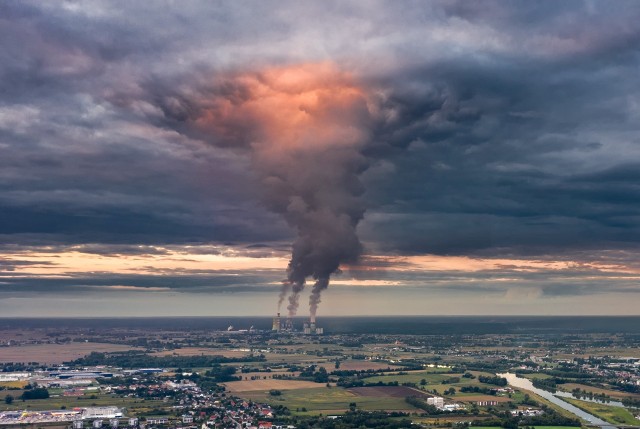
(305, 127)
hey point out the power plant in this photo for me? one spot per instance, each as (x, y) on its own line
(310, 328)
(280, 325)
(276, 323)
(286, 325)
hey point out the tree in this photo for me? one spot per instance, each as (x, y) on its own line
(8, 399)
(423, 382)
(35, 393)
(321, 376)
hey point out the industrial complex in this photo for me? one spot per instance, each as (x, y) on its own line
(286, 325)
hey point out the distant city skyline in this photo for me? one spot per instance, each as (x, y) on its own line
(451, 158)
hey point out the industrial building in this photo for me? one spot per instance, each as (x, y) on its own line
(310, 328)
(280, 325)
(276, 323)
(286, 325)
(101, 413)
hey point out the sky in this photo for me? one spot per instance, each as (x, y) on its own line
(417, 157)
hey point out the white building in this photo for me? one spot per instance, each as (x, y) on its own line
(436, 401)
(452, 407)
(101, 413)
(15, 376)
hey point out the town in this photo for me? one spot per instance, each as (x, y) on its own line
(276, 378)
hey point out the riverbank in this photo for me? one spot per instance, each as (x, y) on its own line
(609, 413)
(523, 383)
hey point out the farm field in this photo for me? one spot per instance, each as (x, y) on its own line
(411, 377)
(433, 380)
(13, 384)
(615, 415)
(328, 401)
(56, 353)
(268, 384)
(388, 391)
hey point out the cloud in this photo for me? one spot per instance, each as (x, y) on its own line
(492, 129)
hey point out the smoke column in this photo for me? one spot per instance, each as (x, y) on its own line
(305, 127)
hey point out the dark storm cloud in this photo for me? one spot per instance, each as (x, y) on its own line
(506, 128)
(9, 265)
(193, 282)
(539, 162)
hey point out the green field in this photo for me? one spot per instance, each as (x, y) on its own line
(434, 381)
(615, 415)
(326, 401)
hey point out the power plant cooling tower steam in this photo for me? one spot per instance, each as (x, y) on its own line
(314, 179)
(304, 128)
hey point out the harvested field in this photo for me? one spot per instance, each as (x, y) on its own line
(202, 351)
(388, 392)
(325, 400)
(254, 385)
(13, 384)
(56, 353)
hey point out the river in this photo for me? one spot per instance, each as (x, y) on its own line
(524, 383)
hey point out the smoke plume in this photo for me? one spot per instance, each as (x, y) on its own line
(305, 127)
